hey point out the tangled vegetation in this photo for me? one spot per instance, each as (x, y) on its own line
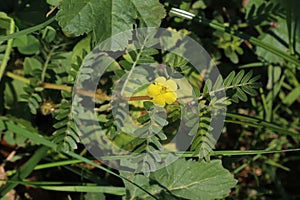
(239, 107)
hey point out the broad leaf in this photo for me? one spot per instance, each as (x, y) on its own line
(184, 179)
(106, 18)
(196, 180)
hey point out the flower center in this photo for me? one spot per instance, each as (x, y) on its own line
(164, 89)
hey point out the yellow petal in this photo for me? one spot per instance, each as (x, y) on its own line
(159, 100)
(154, 90)
(170, 97)
(171, 85)
(161, 80)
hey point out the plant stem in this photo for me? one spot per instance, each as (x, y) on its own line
(69, 89)
(43, 85)
(132, 68)
(17, 77)
(46, 64)
(190, 154)
(56, 87)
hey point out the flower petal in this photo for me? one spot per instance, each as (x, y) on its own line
(154, 90)
(170, 97)
(171, 85)
(161, 80)
(159, 100)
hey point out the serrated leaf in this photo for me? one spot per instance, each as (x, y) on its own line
(106, 18)
(149, 12)
(78, 17)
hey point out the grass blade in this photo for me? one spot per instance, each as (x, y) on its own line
(25, 170)
(28, 30)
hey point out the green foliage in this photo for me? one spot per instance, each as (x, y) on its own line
(66, 136)
(32, 97)
(258, 12)
(39, 69)
(231, 45)
(209, 181)
(10, 136)
(27, 44)
(241, 85)
(81, 17)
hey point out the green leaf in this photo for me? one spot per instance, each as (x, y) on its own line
(249, 90)
(184, 179)
(196, 180)
(292, 96)
(149, 12)
(278, 37)
(218, 83)
(94, 196)
(237, 79)
(83, 45)
(13, 93)
(241, 94)
(53, 2)
(116, 16)
(78, 17)
(134, 192)
(229, 78)
(49, 34)
(229, 53)
(25, 170)
(27, 44)
(106, 18)
(200, 4)
(247, 77)
(98, 189)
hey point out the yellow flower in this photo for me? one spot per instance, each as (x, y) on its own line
(162, 91)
